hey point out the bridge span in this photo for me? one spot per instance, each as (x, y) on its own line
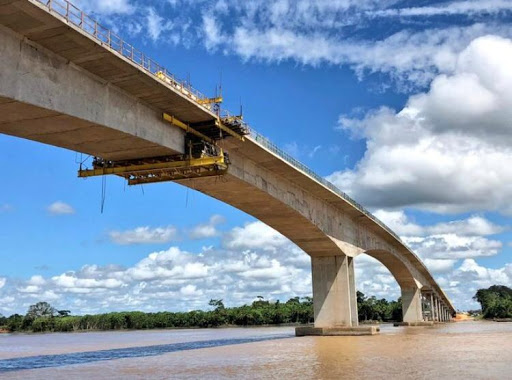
(68, 82)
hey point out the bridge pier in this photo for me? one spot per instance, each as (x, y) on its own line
(412, 308)
(334, 298)
(334, 293)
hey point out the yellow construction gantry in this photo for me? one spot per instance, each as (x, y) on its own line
(202, 157)
(161, 169)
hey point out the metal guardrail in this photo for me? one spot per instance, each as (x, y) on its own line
(299, 165)
(106, 37)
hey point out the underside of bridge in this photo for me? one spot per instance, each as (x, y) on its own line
(65, 85)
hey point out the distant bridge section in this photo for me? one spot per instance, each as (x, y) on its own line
(68, 82)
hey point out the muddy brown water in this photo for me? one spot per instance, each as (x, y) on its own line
(465, 350)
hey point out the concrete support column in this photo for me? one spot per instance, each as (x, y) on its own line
(334, 293)
(353, 291)
(411, 305)
(439, 310)
(422, 300)
(432, 315)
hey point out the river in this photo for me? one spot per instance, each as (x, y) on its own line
(465, 350)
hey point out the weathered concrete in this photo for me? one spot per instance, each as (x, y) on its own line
(337, 331)
(45, 98)
(411, 305)
(52, 93)
(332, 292)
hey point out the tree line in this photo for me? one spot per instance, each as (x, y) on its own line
(42, 317)
(496, 301)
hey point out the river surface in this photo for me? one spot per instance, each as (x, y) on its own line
(465, 350)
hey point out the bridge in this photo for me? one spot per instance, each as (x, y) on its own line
(69, 82)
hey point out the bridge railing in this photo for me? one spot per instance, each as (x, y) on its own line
(265, 142)
(106, 36)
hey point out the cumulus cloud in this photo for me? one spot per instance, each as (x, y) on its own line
(144, 235)
(448, 149)
(249, 260)
(3, 280)
(475, 225)
(470, 276)
(207, 230)
(178, 280)
(255, 235)
(442, 243)
(60, 208)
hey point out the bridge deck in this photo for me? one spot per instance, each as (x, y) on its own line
(49, 127)
(100, 52)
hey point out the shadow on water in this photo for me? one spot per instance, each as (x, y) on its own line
(47, 361)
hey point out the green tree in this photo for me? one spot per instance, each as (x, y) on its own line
(63, 313)
(217, 304)
(41, 309)
(496, 301)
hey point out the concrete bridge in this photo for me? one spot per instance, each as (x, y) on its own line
(68, 82)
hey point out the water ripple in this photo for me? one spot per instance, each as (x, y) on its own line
(46, 361)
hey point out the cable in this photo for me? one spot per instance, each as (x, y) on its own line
(103, 192)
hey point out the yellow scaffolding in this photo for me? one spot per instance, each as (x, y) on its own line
(141, 172)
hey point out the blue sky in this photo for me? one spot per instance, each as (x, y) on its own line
(404, 105)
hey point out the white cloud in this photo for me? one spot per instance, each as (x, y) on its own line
(440, 265)
(441, 243)
(452, 246)
(473, 226)
(255, 235)
(108, 7)
(60, 208)
(144, 235)
(37, 280)
(312, 153)
(178, 279)
(447, 150)
(470, 8)
(253, 260)
(207, 230)
(156, 24)
(310, 34)
(212, 32)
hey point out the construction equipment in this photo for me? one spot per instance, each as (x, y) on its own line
(202, 157)
(160, 169)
